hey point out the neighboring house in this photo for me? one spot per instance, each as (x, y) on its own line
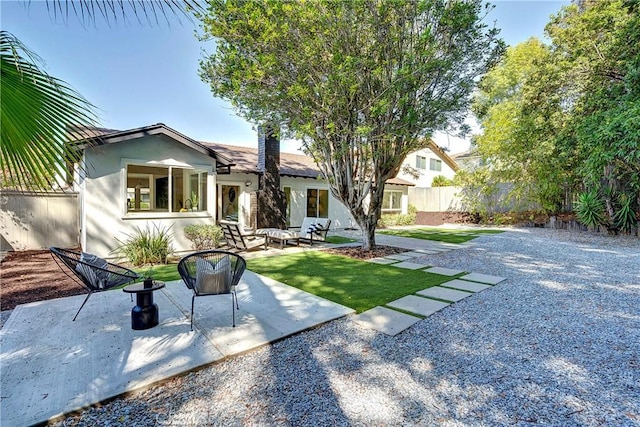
(468, 160)
(155, 175)
(420, 167)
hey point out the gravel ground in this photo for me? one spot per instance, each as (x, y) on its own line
(557, 344)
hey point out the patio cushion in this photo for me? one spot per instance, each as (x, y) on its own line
(97, 278)
(213, 279)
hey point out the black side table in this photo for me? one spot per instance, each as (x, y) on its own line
(145, 314)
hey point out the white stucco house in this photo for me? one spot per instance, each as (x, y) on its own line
(420, 167)
(154, 175)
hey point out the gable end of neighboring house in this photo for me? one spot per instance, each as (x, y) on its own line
(427, 163)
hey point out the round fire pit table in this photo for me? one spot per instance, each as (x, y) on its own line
(145, 314)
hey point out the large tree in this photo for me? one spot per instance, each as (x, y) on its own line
(360, 83)
(36, 108)
(566, 117)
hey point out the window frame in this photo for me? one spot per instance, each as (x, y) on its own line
(437, 163)
(317, 205)
(204, 172)
(421, 162)
(391, 209)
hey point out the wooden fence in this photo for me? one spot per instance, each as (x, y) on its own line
(38, 220)
(435, 199)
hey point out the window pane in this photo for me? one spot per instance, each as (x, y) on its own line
(147, 188)
(395, 199)
(421, 162)
(287, 197)
(435, 164)
(386, 200)
(323, 204)
(312, 202)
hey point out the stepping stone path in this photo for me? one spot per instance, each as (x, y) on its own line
(427, 301)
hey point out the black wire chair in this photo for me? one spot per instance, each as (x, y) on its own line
(212, 272)
(91, 272)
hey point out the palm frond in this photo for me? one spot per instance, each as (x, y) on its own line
(35, 113)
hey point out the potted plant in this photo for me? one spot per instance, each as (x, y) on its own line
(148, 279)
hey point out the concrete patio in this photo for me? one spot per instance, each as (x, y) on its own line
(52, 366)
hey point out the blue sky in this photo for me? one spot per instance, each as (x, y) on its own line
(138, 75)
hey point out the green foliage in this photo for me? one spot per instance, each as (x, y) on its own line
(390, 220)
(203, 236)
(564, 117)
(590, 209)
(151, 245)
(359, 83)
(441, 181)
(35, 111)
(625, 217)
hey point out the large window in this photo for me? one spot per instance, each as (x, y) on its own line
(435, 165)
(317, 203)
(166, 189)
(391, 201)
(421, 162)
(230, 202)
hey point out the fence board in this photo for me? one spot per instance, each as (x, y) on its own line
(34, 220)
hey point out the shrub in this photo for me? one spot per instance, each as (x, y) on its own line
(441, 181)
(590, 209)
(147, 246)
(203, 236)
(389, 220)
(625, 218)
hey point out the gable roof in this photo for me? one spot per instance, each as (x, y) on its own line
(293, 165)
(229, 158)
(85, 137)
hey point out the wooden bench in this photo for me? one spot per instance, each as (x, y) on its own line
(239, 240)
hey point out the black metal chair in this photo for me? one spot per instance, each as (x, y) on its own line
(91, 272)
(212, 272)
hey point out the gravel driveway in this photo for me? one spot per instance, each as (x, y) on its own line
(558, 343)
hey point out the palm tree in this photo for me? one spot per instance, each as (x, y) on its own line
(36, 109)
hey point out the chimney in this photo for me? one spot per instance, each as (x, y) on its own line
(271, 200)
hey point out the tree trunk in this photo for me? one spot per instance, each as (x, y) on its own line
(368, 226)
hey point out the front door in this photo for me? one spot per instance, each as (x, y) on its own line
(230, 202)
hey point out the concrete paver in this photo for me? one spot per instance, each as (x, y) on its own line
(483, 278)
(444, 293)
(52, 365)
(418, 305)
(382, 260)
(409, 265)
(385, 320)
(399, 257)
(443, 271)
(465, 286)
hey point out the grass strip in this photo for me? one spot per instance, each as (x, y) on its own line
(353, 283)
(440, 234)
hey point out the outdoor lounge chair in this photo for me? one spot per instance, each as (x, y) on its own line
(239, 240)
(91, 272)
(313, 228)
(213, 272)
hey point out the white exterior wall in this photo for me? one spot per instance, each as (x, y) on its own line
(426, 175)
(103, 217)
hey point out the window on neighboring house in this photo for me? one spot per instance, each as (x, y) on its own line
(317, 203)
(435, 165)
(391, 201)
(165, 189)
(421, 162)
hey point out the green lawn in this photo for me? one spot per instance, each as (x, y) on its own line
(440, 234)
(353, 283)
(357, 284)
